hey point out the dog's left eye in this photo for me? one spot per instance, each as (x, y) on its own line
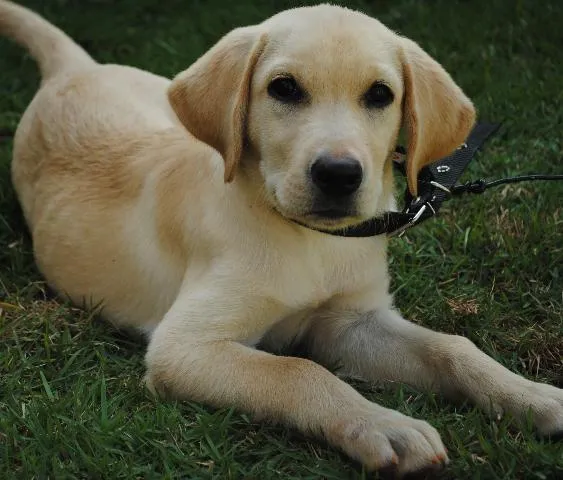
(379, 95)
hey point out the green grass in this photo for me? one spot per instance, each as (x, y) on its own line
(71, 403)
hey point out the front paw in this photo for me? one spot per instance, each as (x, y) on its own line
(524, 399)
(387, 441)
(545, 403)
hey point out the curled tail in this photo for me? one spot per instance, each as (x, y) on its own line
(54, 51)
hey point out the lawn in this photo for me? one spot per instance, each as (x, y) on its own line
(71, 401)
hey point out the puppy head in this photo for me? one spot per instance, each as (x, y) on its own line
(314, 98)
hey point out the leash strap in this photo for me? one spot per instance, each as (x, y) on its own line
(436, 180)
(479, 186)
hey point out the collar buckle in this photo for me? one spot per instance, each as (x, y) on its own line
(415, 219)
(399, 232)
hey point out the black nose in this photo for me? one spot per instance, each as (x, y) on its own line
(336, 175)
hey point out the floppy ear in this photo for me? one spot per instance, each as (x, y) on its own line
(211, 97)
(437, 116)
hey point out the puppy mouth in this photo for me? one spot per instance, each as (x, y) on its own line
(325, 219)
(327, 223)
(330, 214)
(321, 215)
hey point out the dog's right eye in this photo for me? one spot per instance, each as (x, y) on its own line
(285, 89)
(378, 96)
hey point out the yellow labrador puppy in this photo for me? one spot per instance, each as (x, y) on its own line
(183, 208)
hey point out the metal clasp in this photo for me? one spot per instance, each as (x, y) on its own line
(412, 222)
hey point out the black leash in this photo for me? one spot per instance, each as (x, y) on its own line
(436, 184)
(479, 186)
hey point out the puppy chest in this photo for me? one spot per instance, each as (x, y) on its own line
(312, 279)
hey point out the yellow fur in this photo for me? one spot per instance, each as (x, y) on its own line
(169, 204)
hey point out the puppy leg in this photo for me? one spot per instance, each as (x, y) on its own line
(381, 345)
(195, 354)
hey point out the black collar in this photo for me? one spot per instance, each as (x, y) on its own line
(435, 183)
